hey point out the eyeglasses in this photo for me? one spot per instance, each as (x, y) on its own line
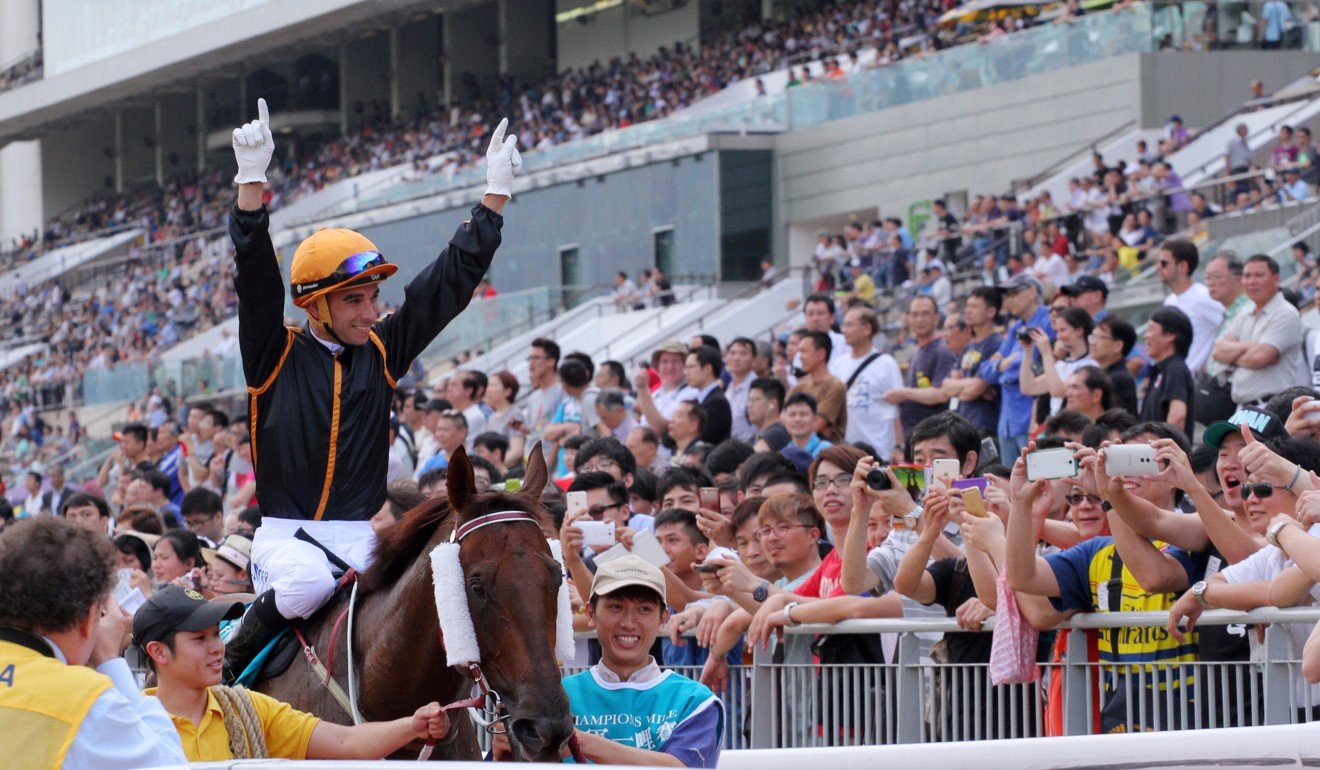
(1261, 489)
(599, 466)
(779, 530)
(538, 358)
(349, 269)
(1077, 498)
(841, 481)
(1163, 262)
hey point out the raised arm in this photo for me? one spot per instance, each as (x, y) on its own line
(857, 577)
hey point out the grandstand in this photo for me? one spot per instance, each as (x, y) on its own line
(748, 154)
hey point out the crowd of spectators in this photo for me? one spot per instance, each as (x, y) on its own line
(748, 461)
(1108, 226)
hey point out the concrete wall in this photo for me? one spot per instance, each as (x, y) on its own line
(471, 50)
(612, 32)
(1205, 85)
(20, 162)
(610, 218)
(978, 141)
(419, 63)
(75, 164)
(367, 77)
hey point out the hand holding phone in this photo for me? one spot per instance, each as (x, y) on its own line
(973, 502)
(596, 534)
(1130, 460)
(1051, 464)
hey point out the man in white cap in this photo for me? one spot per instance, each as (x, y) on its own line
(626, 709)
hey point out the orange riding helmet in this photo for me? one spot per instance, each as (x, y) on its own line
(331, 260)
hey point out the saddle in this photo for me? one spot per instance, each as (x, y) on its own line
(274, 659)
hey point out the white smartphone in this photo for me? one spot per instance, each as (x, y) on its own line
(946, 468)
(1131, 460)
(596, 533)
(1051, 464)
(575, 503)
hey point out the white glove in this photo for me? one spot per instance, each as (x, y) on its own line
(253, 146)
(502, 160)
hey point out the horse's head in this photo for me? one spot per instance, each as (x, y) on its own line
(512, 582)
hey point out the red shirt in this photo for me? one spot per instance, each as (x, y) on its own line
(827, 581)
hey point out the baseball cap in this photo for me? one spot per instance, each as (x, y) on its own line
(936, 264)
(1264, 425)
(235, 549)
(179, 609)
(1021, 281)
(630, 570)
(1083, 284)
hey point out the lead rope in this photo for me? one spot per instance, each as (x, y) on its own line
(246, 738)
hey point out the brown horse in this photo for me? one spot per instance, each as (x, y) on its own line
(512, 582)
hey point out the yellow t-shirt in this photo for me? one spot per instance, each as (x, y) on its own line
(288, 730)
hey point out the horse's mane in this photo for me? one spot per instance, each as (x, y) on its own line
(403, 543)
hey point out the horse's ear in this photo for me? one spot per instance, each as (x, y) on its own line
(459, 479)
(537, 474)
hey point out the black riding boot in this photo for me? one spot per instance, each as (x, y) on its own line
(258, 626)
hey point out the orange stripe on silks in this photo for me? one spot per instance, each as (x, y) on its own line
(288, 345)
(252, 427)
(380, 345)
(334, 441)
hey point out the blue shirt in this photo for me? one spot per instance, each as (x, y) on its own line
(1015, 408)
(654, 710)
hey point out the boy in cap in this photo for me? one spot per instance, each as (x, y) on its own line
(627, 710)
(179, 632)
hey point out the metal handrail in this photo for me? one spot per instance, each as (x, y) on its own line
(1082, 620)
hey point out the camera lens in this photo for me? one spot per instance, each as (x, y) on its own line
(877, 479)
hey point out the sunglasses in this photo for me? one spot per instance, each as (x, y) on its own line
(349, 269)
(1261, 489)
(1077, 498)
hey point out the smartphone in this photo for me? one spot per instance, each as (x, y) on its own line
(1131, 460)
(946, 468)
(596, 533)
(981, 485)
(575, 503)
(710, 498)
(989, 452)
(1051, 464)
(707, 568)
(973, 502)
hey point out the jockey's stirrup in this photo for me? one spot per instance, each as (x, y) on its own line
(256, 628)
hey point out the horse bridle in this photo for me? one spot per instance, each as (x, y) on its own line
(488, 702)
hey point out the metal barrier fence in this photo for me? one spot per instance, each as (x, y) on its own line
(913, 699)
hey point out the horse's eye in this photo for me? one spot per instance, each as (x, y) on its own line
(477, 589)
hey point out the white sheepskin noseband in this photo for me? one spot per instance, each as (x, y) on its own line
(565, 647)
(451, 605)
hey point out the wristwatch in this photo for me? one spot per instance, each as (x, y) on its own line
(1272, 534)
(788, 614)
(761, 592)
(1198, 592)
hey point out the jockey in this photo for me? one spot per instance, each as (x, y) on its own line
(319, 395)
